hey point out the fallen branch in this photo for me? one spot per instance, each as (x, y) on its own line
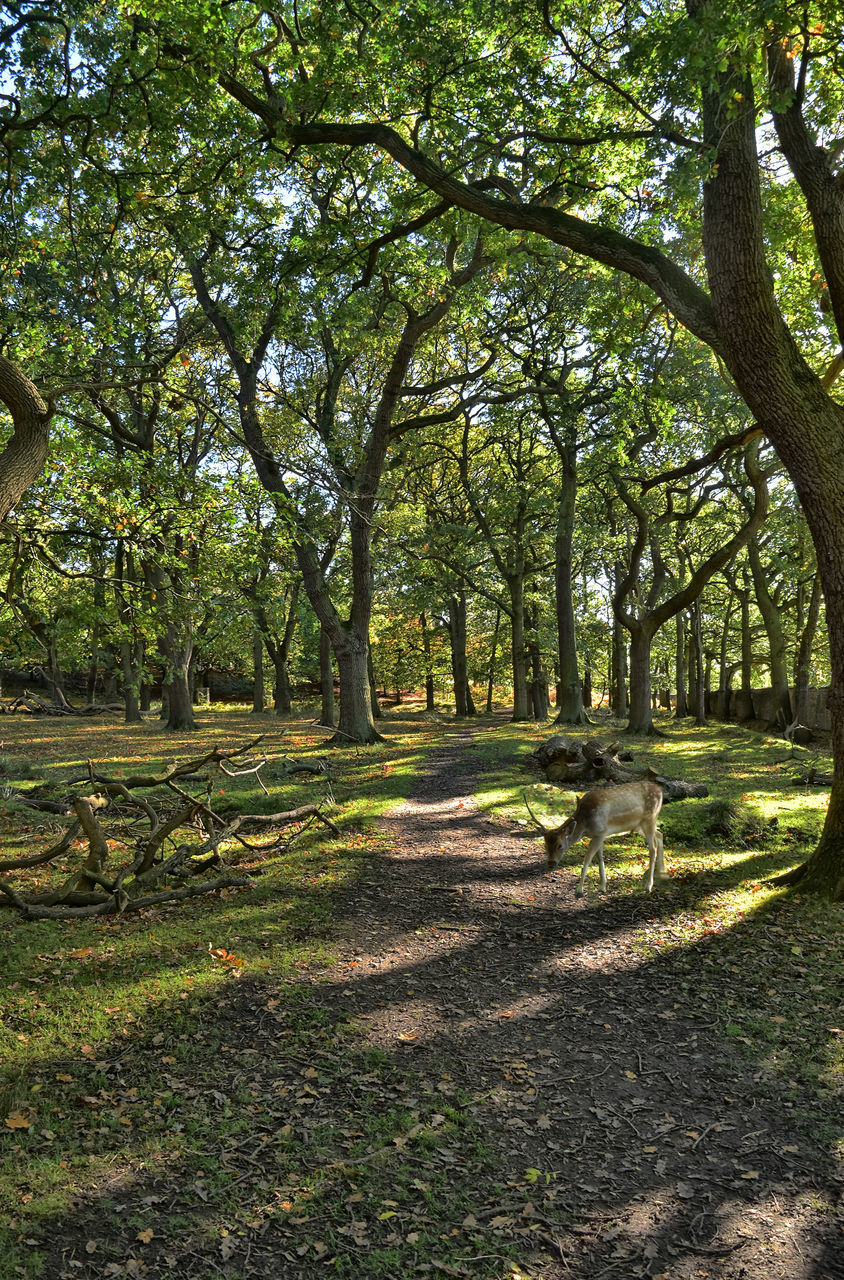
(161, 846)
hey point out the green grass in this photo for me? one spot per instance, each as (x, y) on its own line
(126, 1061)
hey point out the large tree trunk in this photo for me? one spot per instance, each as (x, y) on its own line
(641, 716)
(789, 401)
(180, 718)
(356, 723)
(377, 713)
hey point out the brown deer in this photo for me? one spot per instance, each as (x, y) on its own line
(632, 806)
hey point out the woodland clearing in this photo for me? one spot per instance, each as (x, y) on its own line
(407, 1051)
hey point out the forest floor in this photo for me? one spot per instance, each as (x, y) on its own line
(488, 1078)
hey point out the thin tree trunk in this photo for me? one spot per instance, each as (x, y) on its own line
(459, 665)
(697, 650)
(772, 619)
(803, 660)
(570, 695)
(326, 679)
(258, 668)
(429, 673)
(492, 656)
(724, 674)
(619, 703)
(681, 708)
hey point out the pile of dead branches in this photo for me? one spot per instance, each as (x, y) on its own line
(168, 842)
(575, 764)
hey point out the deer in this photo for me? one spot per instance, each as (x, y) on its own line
(632, 806)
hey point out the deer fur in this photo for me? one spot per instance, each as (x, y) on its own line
(609, 811)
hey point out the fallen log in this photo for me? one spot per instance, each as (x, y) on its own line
(573, 764)
(813, 779)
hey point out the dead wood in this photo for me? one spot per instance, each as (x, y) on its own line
(813, 779)
(575, 764)
(166, 845)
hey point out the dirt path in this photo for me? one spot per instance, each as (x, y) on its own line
(665, 1152)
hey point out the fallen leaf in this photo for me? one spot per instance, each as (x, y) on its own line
(145, 1236)
(17, 1120)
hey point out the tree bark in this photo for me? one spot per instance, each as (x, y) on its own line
(25, 454)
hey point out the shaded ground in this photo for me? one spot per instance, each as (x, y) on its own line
(626, 1133)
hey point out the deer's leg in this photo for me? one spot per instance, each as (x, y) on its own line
(649, 874)
(661, 873)
(595, 846)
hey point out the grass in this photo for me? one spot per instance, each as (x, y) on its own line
(126, 1050)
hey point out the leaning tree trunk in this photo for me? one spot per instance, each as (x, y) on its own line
(25, 454)
(789, 401)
